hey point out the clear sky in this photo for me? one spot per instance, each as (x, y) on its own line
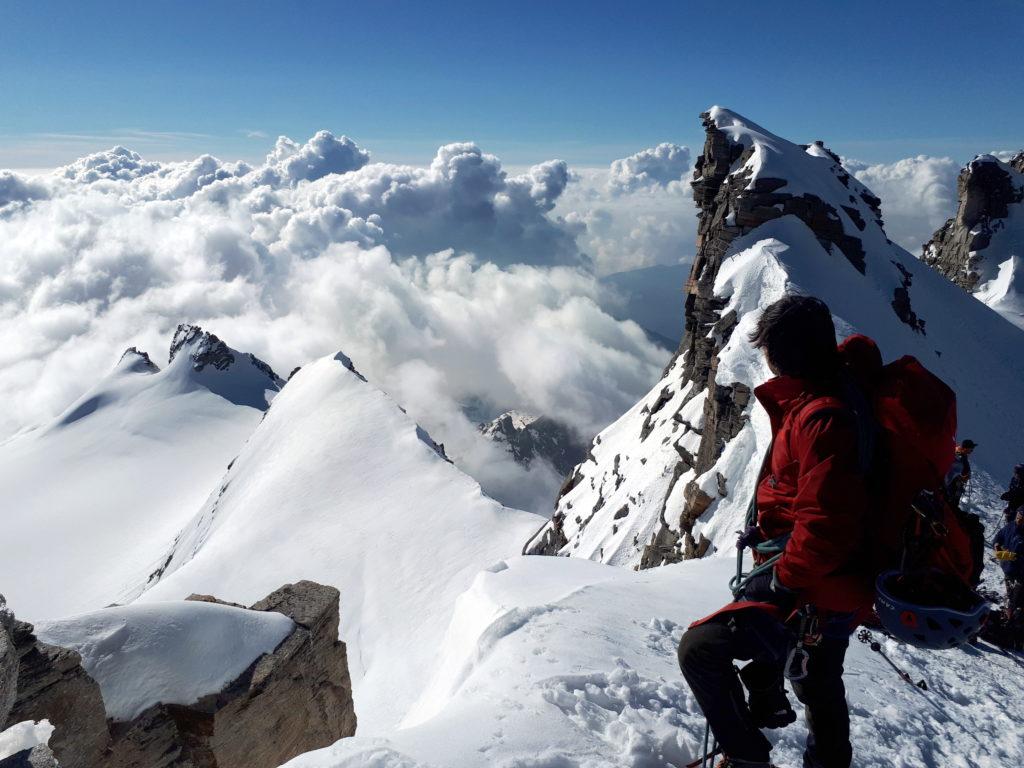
(584, 81)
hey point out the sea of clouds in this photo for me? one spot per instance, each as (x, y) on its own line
(452, 284)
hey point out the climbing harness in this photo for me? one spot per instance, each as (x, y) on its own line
(868, 639)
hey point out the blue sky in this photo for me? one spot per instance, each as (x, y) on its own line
(584, 81)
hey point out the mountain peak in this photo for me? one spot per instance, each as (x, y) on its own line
(134, 360)
(238, 376)
(206, 348)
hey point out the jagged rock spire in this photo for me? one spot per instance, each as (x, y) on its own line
(987, 188)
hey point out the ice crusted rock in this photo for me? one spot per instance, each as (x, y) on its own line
(529, 437)
(158, 696)
(981, 249)
(671, 479)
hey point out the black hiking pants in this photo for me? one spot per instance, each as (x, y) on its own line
(706, 658)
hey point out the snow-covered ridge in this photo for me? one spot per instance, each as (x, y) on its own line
(338, 485)
(982, 248)
(672, 477)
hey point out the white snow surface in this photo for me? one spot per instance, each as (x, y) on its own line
(171, 652)
(338, 485)
(631, 481)
(92, 499)
(567, 663)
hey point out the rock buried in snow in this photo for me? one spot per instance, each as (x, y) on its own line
(293, 698)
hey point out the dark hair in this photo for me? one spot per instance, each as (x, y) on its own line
(797, 335)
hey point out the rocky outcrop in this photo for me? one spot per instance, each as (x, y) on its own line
(134, 359)
(206, 349)
(987, 189)
(52, 685)
(529, 437)
(8, 662)
(293, 700)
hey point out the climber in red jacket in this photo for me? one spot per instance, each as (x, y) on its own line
(813, 489)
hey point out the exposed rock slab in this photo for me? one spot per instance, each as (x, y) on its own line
(292, 700)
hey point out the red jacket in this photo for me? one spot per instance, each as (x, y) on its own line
(814, 489)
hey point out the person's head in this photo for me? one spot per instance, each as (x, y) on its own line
(1020, 517)
(968, 446)
(798, 338)
(1019, 470)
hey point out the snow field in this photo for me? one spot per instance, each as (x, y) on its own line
(578, 669)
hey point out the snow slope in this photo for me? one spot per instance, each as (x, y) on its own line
(91, 500)
(340, 486)
(673, 476)
(565, 663)
(173, 652)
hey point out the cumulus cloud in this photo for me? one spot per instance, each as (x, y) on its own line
(321, 155)
(660, 166)
(620, 231)
(918, 194)
(119, 250)
(15, 188)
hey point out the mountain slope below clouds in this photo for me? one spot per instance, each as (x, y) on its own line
(340, 486)
(672, 477)
(91, 500)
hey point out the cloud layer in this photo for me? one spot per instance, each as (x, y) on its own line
(918, 194)
(452, 283)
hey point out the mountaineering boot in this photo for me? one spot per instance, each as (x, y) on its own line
(769, 705)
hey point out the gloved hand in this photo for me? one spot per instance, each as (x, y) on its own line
(766, 588)
(751, 536)
(1005, 554)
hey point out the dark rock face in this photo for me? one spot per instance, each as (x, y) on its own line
(138, 361)
(52, 685)
(986, 189)
(209, 350)
(528, 438)
(8, 662)
(293, 700)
